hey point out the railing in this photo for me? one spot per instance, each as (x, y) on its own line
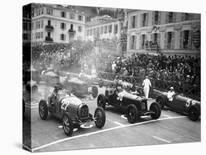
(48, 39)
(49, 28)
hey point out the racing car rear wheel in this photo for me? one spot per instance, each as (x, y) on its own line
(67, 125)
(193, 114)
(101, 101)
(94, 91)
(160, 101)
(155, 108)
(43, 110)
(132, 113)
(99, 117)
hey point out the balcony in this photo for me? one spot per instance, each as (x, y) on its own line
(48, 39)
(49, 28)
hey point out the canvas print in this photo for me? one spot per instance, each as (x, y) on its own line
(96, 77)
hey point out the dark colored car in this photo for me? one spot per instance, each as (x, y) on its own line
(71, 110)
(133, 106)
(180, 104)
(80, 88)
(50, 77)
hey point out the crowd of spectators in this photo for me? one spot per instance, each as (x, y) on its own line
(181, 72)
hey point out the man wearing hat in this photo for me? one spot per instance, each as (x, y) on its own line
(170, 94)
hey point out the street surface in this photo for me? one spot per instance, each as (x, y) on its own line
(170, 128)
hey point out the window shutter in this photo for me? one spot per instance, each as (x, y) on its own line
(136, 21)
(147, 18)
(173, 40)
(153, 18)
(165, 40)
(190, 40)
(167, 17)
(181, 39)
(159, 18)
(158, 39)
(174, 17)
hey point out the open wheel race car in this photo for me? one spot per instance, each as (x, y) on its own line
(73, 113)
(133, 106)
(180, 104)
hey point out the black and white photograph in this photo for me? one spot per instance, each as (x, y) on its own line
(101, 77)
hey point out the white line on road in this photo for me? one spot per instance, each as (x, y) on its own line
(120, 124)
(161, 139)
(166, 115)
(101, 131)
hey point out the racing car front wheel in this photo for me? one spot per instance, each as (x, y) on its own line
(43, 110)
(155, 108)
(67, 125)
(132, 113)
(193, 114)
(99, 117)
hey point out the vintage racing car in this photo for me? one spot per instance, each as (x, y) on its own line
(80, 88)
(71, 110)
(133, 105)
(180, 104)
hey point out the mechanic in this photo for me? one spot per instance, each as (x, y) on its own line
(170, 94)
(146, 86)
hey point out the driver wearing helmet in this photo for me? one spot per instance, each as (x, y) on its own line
(170, 94)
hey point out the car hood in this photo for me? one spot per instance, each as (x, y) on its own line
(71, 100)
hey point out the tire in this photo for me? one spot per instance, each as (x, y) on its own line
(99, 117)
(159, 100)
(132, 114)
(101, 101)
(193, 114)
(156, 109)
(94, 91)
(67, 125)
(43, 110)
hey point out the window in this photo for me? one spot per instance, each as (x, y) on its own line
(98, 30)
(156, 17)
(170, 17)
(186, 16)
(133, 22)
(105, 29)
(143, 40)
(110, 28)
(115, 28)
(63, 26)
(144, 19)
(169, 40)
(41, 34)
(87, 32)
(32, 25)
(49, 11)
(49, 22)
(48, 34)
(38, 25)
(71, 15)
(90, 31)
(62, 37)
(63, 14)
(133, 42)
(186, 39)
(79, 29)
(80, 17)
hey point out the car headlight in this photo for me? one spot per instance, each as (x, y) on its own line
(188, 103)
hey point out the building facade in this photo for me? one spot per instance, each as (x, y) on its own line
(54, 23)
(103, 27)
(165, 32)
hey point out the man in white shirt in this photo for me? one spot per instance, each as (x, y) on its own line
(170, 94)
(146, 86)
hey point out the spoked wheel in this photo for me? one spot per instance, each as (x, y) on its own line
(155, 108)
(101, 101)
(67, 125)
(43, 110)
(132, 114)
(193, 114)
(99, 117)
